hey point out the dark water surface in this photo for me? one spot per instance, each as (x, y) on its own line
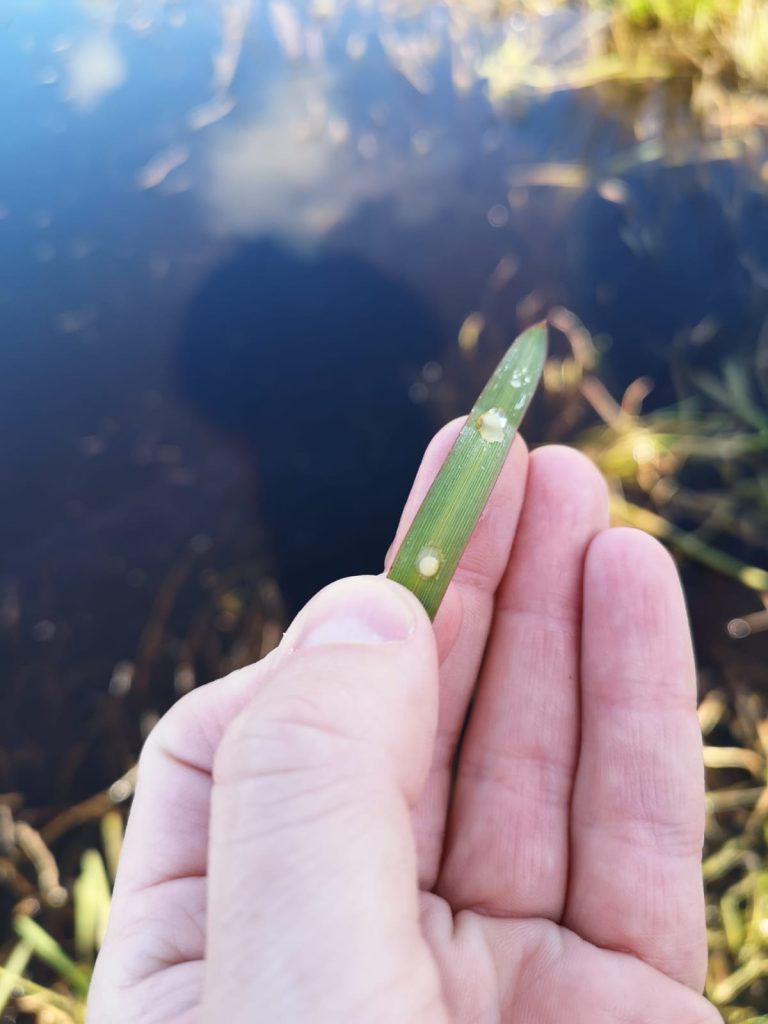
(237, 245)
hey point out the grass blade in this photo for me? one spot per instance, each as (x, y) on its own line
(92, 900)
(112, 840)
(24, 988)
(50, 952)
(431, 550)
(689, 544)
(15, 965)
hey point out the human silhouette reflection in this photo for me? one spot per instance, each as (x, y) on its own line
(306, 362)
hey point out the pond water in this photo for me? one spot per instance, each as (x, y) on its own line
(238, 242)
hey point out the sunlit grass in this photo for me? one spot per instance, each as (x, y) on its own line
(695, 474)
(656, 464)
(736, 854)
(717, 48)
(728, 38)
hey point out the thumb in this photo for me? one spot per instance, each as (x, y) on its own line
(312, 881)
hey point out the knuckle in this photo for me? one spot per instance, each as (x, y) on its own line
(281, 766)
(179, 718)
(288, 735)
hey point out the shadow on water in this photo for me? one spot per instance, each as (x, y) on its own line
(305, 361)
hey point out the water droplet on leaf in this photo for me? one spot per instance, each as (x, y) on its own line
(491, 426)
(429, 563)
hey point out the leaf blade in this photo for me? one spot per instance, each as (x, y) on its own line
(431, 550)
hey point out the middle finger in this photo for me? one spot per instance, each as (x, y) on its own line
(507, 846)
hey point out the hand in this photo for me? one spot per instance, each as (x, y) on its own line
(297, 851)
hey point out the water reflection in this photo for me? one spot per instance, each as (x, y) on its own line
(250, 254)
(300, 167)
(306, 361)
(94, 68)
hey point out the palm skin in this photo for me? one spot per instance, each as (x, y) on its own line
(297, 850)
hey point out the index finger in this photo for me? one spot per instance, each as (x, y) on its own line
(462, 624)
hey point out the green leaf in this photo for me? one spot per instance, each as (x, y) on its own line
(92, 900)
(15, 966)
(440, 532)
(50, 952)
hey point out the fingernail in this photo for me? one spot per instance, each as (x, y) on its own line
(363, 612)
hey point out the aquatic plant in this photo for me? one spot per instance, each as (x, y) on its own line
(656, 462)
(692, 474)
(719, 47)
